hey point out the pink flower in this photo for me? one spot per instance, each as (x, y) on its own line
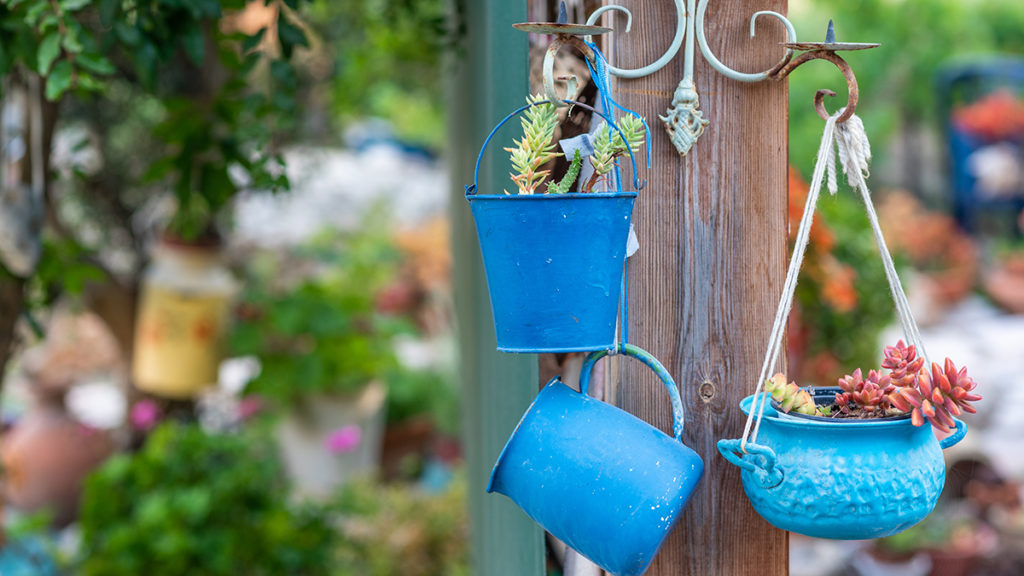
(145, 415)
(249, 406)
(343, 440)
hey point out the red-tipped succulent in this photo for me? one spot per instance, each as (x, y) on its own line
(938, 397)
(903, 364)
(871, 394)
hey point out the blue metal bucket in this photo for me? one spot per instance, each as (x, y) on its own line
(554, 267)
(603, 481)
(554, 262)
(845, 480)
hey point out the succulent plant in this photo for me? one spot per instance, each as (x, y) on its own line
(870, 394)
(535, 148)
(570, 175)
(790, 396)
(940, 395)
(903, 364)
(609, 145)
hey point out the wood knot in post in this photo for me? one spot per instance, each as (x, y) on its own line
(707, 391)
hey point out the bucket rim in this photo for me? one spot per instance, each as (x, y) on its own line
(501, 457)
(552, 197)
(832, 424)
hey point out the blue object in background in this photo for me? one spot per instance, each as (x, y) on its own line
(27, 556)
(606, 483)
(959, 85)
(841, 480)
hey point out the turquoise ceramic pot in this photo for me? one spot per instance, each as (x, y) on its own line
(846, 480)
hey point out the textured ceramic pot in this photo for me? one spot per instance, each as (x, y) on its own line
(844, 479)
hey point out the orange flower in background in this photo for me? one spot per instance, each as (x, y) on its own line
(997, 116)
(838, 289)
(821, 238)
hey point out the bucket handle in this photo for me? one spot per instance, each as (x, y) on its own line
(759, 460)
(652, 362)
(472, 188)
(955, 437)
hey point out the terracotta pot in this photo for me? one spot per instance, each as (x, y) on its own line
(46, 457)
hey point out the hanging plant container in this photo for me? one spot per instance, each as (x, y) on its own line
(184, 305)
(554, 262)
(857, 461)
(603, 481)
(841, 479)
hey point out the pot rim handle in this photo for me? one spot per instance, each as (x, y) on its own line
(954, 438)
(765, 471)
(653, 363)
(472, 188)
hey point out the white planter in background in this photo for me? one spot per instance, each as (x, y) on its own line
(317, 468)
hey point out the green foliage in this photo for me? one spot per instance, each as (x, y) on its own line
(430, 393)
(897, 80)
(400, 530)
(321, 334)
(216, 129)
(609, 145)
(535, 148)
(570, 175)
(386, 58)
(197, 503)
(64, 269)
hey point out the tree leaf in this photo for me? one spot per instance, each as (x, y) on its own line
(58, 81)
(290, 36)
(49, 50)
(192, 42)
(73, 5)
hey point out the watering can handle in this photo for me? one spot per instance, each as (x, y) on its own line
(472, 189)
(955, 437)
(763, 469)
(652, 362)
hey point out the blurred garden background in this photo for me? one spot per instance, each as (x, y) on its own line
(226, 313)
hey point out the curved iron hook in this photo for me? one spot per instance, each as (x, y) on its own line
(853, 92)
(549, 68)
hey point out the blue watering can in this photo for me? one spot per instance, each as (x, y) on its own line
(554, 262)
(845, 480)
(603, 481)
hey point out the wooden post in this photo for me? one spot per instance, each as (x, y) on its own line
(489, 80)
(705, 284)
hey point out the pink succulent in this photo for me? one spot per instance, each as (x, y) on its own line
(938, 397)
(903, 364)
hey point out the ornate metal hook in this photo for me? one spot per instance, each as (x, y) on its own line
(684, 120)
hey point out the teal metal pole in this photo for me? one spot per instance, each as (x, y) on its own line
(489, 76)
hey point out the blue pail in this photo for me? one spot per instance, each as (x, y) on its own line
(845, 480)
(554, 262)
(603, 481)
(554, 267)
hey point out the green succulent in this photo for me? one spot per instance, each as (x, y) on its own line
(570, 175)
(535, 148)
(609, 145)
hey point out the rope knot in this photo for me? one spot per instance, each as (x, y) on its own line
(854, 152)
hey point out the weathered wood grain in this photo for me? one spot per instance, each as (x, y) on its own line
(705, 284)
